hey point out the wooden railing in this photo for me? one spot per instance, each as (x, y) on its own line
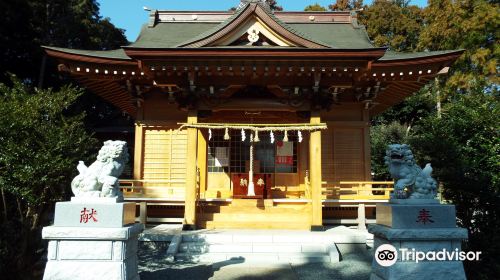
(344, 190)
(153, 192)
(161, 192)
(157, 189)
(358, 190)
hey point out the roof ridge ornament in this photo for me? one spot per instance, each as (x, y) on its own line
(263, 3)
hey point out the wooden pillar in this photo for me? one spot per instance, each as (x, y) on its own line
(138, 151)
(190, 200)
(367, 146)
(304, 168)
(202, 161)
(315, 173)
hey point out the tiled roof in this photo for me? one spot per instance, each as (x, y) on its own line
(112, 54)
(170, 35)
(392, 55)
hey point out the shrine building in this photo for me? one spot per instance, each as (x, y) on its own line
(253, 118)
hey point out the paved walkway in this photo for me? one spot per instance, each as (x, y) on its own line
(353, 266)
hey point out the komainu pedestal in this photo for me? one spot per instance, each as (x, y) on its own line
(412, 226)
(94, 239)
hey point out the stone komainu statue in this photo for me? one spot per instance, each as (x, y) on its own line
(100, 179)
(411, 180)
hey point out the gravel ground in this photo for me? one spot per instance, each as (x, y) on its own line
(352, 267)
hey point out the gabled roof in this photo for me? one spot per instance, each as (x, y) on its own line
(336, 35)
(248, 11)
(327, 48)
(170, 35)
(194, 29)
(333, 35)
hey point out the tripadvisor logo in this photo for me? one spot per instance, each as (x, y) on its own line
(387, 255)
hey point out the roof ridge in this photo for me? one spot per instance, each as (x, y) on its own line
(294, 31)
(245, 9)
(214, 29)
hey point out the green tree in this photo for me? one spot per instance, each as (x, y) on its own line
(274, 5)
(28, 24)
(315, 8)
(389, 24)
(471, 25)
(344, 5)
(412, 110)
(464, 149)
(41, 145)
(462, 139)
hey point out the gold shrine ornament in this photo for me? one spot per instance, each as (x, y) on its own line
(260, 182)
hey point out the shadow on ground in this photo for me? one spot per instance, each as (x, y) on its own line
(179, 272)
(154, 266)
(353, 267)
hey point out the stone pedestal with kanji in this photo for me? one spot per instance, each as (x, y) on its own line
(412, 226)
(93, 239)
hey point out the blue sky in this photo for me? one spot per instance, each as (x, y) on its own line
(129, 14)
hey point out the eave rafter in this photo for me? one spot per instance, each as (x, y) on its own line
(112, 92)
(338, 75)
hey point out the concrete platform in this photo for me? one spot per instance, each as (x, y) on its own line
(257, 246)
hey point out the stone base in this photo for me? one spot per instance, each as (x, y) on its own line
(418, 216)
(94, 213)
(409, 232)
(420, 271)
(92, 253)
(413, 201)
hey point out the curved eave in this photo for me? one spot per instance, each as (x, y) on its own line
(254, 52)
(111, 92)
(71, 55)
(108, 89)
(398, 88)
(431, 58)
(395, 93)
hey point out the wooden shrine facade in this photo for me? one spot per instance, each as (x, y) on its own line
(282, 100)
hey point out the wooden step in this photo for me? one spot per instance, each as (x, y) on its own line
(246, 207)
(258, 214)
(265, 202)
(231, 210)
